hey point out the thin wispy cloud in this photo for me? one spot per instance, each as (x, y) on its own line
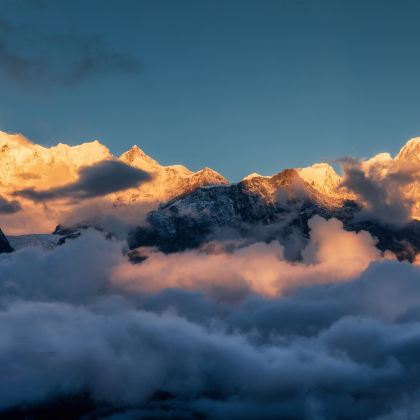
(45, 58)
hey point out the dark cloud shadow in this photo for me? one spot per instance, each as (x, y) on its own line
(9, 206)
(100, 179)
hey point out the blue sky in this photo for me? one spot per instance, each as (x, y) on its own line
(240, 86)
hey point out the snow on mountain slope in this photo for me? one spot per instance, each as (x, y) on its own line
(281, 203)
(23, 163)
(320, 177)
(261, 209)
(253, 203)
(319, 181)
(44, 241)
(410, 151)
(254, 175)
(323, 178)
(136, 157)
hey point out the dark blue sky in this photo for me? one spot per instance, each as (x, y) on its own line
(237, 85)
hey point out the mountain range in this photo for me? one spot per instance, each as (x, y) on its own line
(190, 208)
(24, 164)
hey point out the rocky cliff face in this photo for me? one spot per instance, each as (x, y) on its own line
(4, 243)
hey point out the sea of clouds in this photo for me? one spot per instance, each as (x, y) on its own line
(221, 333)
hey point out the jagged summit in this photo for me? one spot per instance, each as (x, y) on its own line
(286, 176)
(254, 175)
(168, 182)
(322, 177)
(410, 151)
(138, 158)
(135, 156)
(210, 175)
(133, 152)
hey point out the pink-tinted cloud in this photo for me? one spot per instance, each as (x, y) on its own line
(332, 255)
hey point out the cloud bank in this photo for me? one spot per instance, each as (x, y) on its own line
(222, 334)
(332, 254)
(380, 187)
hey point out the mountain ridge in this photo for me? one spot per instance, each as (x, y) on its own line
(195, 200)
(26, 164)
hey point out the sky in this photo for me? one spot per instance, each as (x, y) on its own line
(240, 86)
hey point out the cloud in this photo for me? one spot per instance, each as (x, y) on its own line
(73, 273)
(30, 57)
(380, 189)
(95, 58)
(70, 328)
(99, 179)
(258, 358)
(332, 254)
(9, 206)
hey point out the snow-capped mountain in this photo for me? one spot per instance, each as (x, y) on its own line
(167, 181)
(188, 206)
(25, 164)
(284, 201)
(261, 209)
(323, 178)
(315, 189)
(257, 200)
